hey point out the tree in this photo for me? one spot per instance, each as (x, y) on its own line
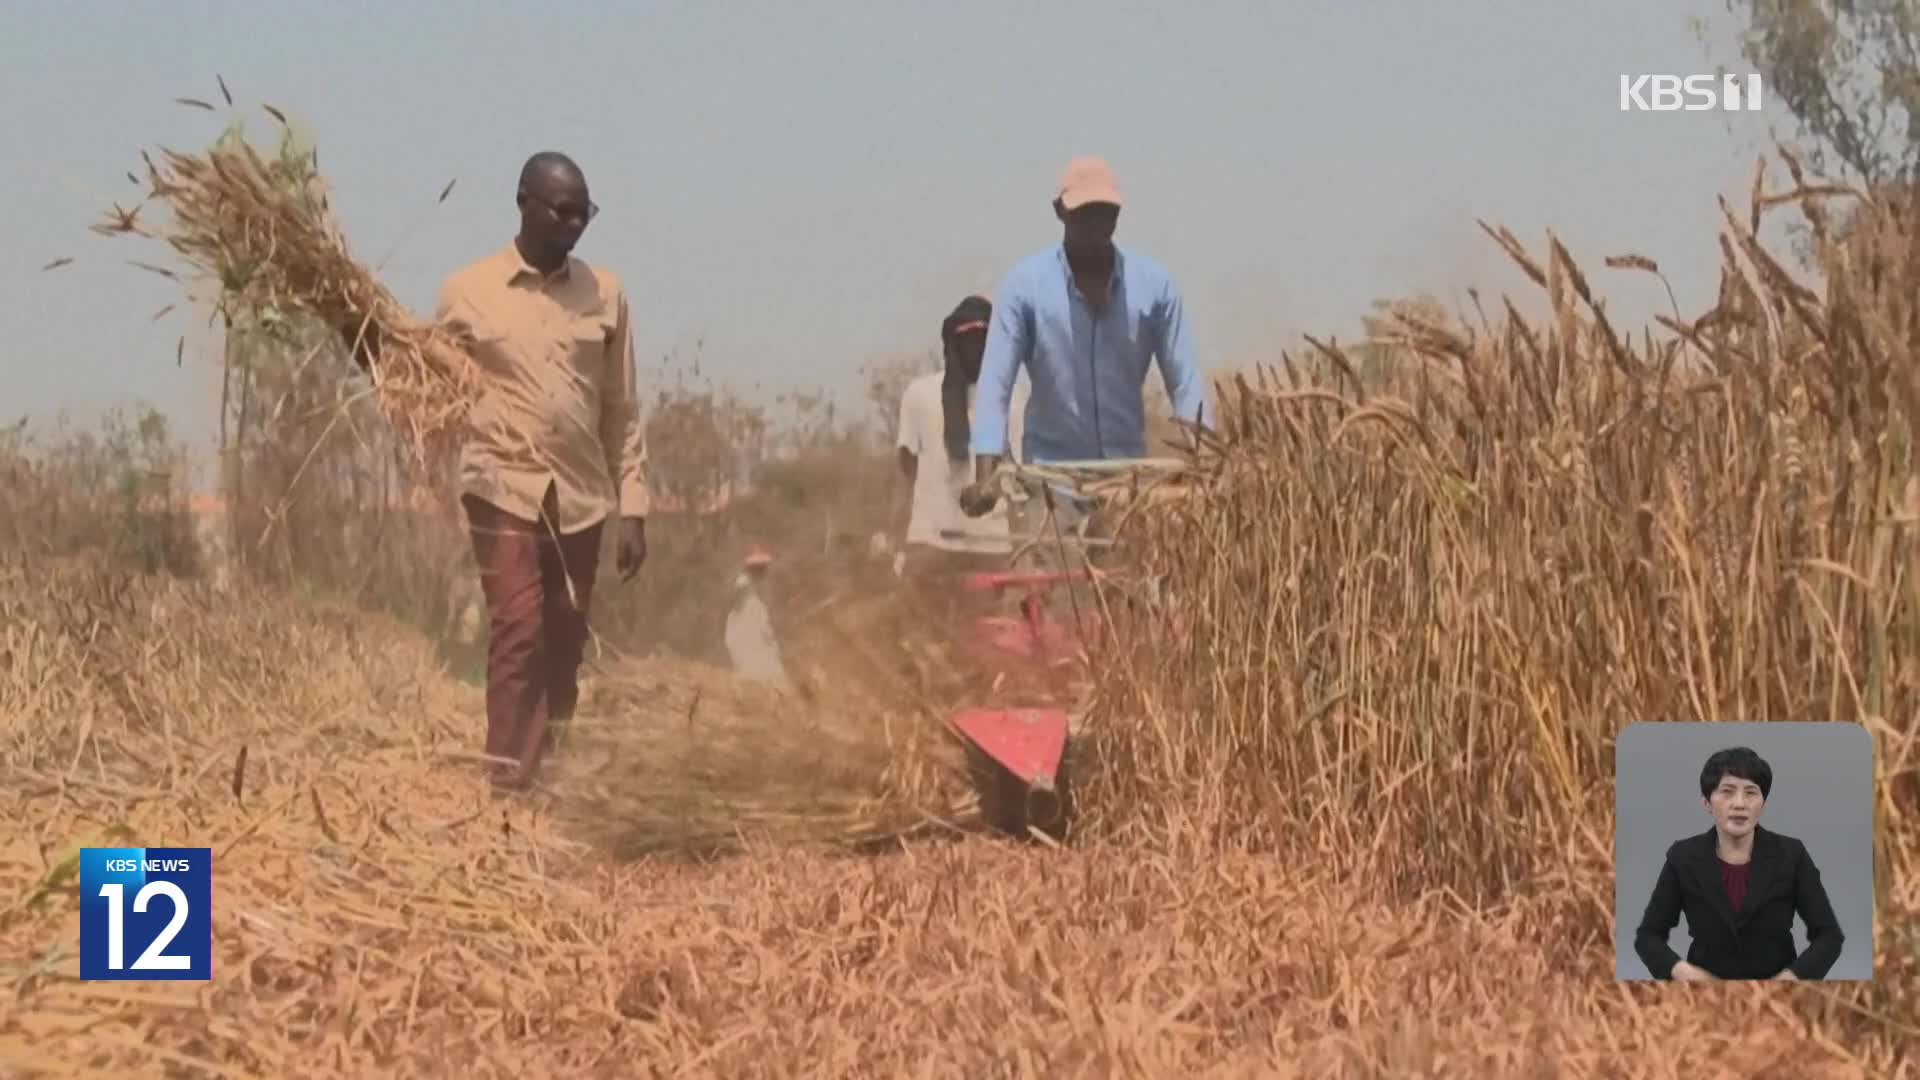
(1849, 72)
(887, 381)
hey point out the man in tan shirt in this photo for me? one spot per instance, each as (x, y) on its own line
(553, 452)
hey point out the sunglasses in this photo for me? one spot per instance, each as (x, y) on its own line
(568, 212)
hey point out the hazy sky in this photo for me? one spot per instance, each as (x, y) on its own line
(798, 188)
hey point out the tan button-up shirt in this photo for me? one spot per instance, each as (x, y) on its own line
(558, 404)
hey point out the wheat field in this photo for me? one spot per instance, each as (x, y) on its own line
(1327, 824)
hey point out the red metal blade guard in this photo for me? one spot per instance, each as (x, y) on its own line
(1027, 742)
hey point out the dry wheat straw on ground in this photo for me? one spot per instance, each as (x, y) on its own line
(676, 757)
(378, 914)
(853, 751)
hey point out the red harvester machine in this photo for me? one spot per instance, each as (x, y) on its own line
(1018, 751)
(1021, 749)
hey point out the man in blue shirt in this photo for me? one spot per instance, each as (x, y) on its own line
(1084, 318)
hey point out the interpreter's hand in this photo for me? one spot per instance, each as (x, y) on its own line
(976, 499)
(633, 547)
(1786, 975)
(899, 564)
(1685, 972)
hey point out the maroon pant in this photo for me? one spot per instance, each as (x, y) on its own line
(536, 633)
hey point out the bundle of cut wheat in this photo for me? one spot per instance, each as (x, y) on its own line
(673, 756)
(261, 233)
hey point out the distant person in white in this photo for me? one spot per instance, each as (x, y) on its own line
(749, 634)
(936, 426)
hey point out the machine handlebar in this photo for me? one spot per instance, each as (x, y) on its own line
(996, 580)
(1013, 477)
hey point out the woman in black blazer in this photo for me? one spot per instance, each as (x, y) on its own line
(1739, 885)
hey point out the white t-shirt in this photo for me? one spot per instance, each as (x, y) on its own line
(937, 481)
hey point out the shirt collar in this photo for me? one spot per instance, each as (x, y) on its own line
(1113, 281)
(513, 266)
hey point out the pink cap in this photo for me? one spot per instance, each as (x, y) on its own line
(1087, 180)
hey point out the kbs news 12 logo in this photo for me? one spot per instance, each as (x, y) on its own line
(1690, 93)
(145, 913)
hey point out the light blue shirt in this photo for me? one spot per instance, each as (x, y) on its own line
(1087, 372)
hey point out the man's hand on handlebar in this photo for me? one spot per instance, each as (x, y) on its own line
(979, 497)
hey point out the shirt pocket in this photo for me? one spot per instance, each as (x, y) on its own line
(485, 338)
(587, 335)
(493, 352)
(584, 348)
(1149, 320)
(1149, 330)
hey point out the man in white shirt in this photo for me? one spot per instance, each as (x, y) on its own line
(750, 640)
(936, 462)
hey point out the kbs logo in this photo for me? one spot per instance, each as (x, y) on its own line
(1692, 93)
(150, 905)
